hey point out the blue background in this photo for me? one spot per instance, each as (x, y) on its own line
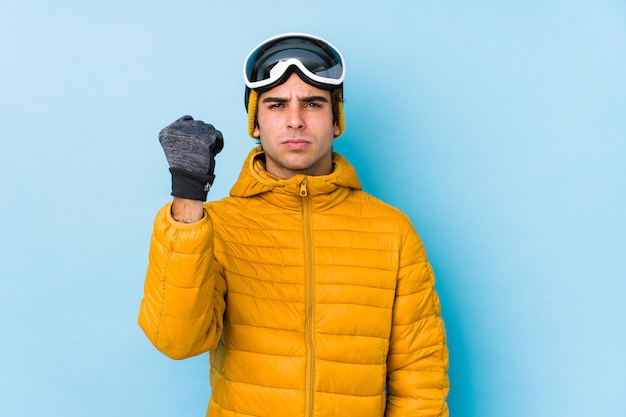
(498, 127)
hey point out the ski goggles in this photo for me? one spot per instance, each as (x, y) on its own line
(273, 60)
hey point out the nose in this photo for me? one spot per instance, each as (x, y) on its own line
(295, 118)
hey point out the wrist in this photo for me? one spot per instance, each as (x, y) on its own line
(187, 211)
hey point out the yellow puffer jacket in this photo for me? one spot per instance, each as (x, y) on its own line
(313, 298)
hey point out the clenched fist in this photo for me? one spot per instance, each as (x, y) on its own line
(190, 147)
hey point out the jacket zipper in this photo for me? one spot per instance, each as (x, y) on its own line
(310, 297)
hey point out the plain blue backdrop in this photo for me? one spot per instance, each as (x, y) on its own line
(498, 127)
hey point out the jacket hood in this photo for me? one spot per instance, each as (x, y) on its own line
(254, 180)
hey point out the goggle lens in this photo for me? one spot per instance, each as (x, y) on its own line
(316, 59)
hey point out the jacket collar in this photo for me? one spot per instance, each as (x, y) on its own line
(325, 190)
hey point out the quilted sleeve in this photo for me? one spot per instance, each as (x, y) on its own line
(183, 305)
(417, 364)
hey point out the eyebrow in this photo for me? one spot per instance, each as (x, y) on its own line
(308, 99)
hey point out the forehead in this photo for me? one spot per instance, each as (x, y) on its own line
(294, 86)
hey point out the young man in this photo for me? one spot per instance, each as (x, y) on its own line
(312, 297)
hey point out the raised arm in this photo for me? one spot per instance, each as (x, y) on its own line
(183, 305)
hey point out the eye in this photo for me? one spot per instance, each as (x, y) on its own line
(313, 105)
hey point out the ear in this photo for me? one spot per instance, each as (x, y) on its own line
(256, 132)
(336, 129)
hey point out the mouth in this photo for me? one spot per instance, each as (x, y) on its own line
(296, 143)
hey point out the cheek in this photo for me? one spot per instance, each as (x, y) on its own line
(263, 121)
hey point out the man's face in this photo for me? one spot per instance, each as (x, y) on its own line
(296, 129)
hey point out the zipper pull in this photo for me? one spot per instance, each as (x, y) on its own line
(303, 191)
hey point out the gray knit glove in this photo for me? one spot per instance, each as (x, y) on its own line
(190, 147)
